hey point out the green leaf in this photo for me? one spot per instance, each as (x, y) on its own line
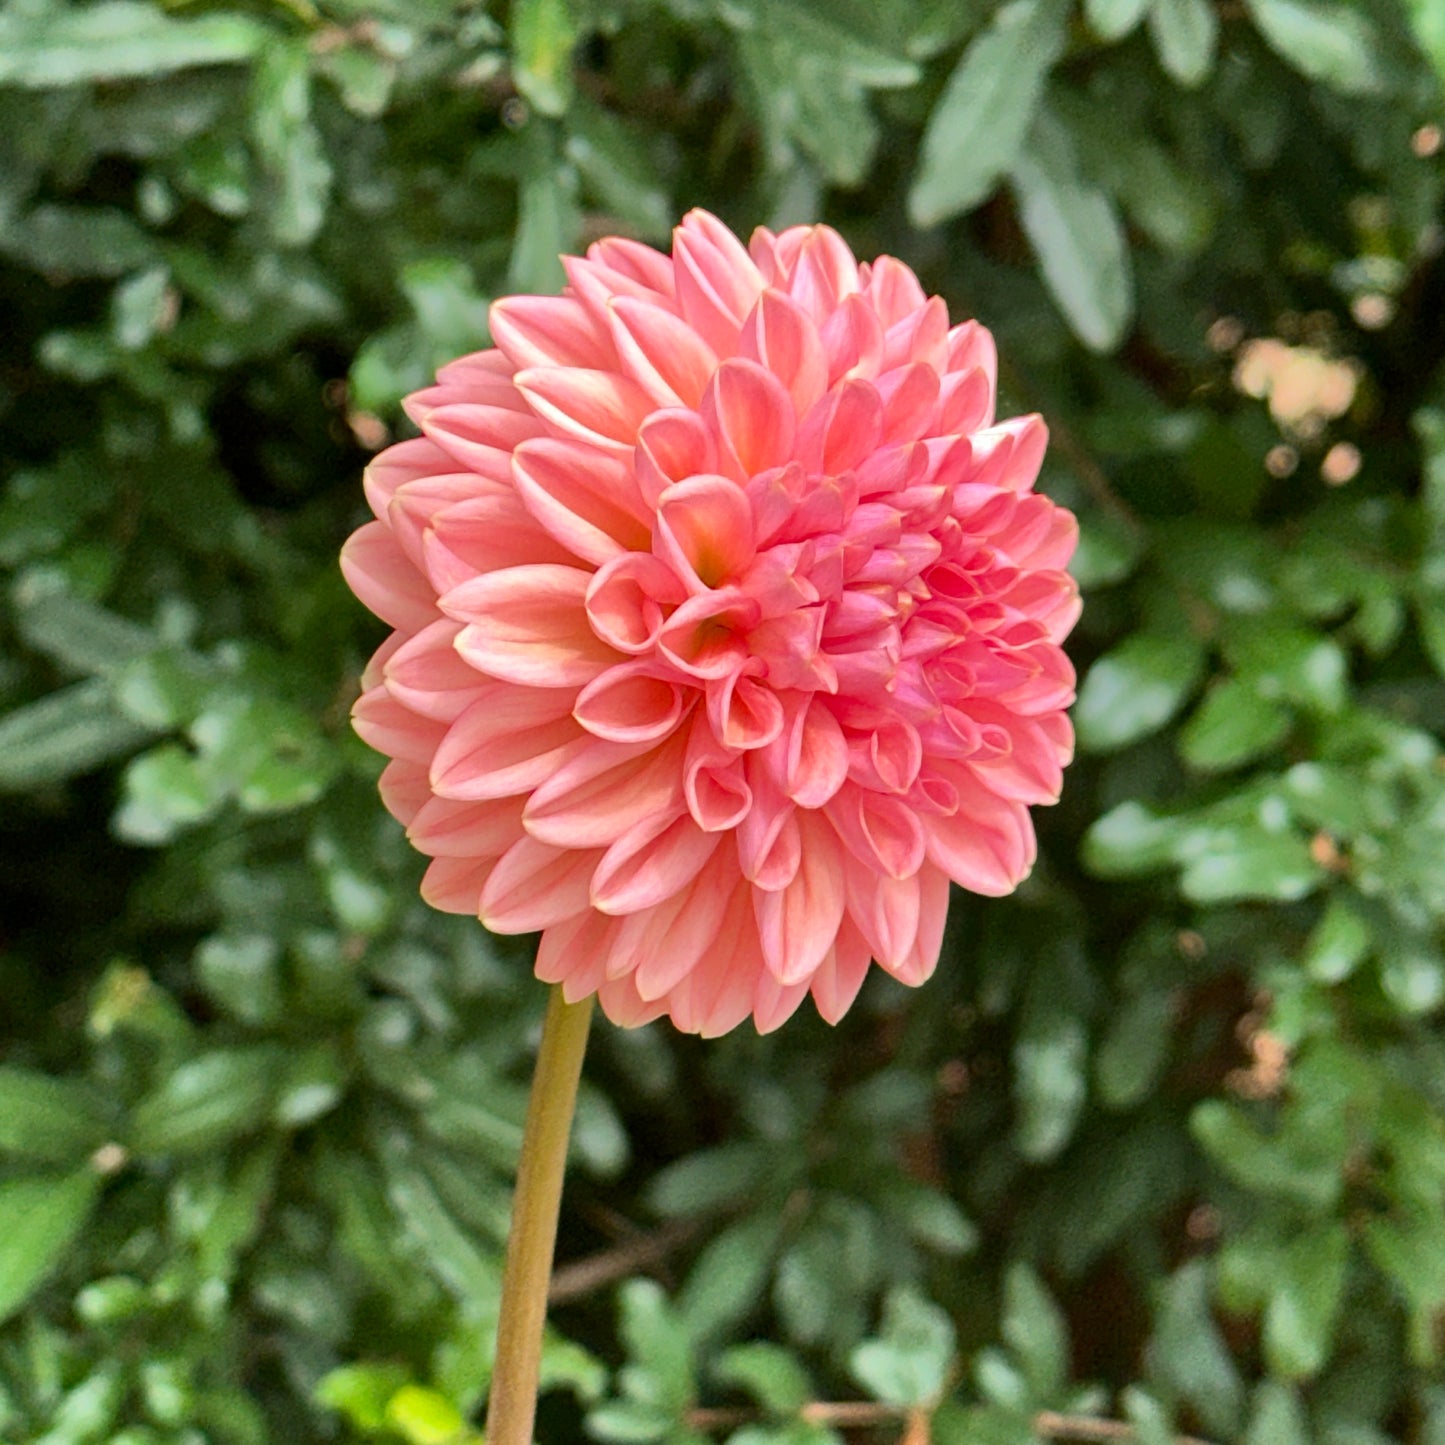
(206, 1102)
(1428, 20)
(447, 1250)
(312, 1085)
(567, 1363)
(64, 734)
(1171, 205)
(1299, 1321)
(1292, 663)
(424, 1417)
(729, 1277)
(1129, 840)
(1150, 1420)
(658, 1347)
(1412, 976)
(855, 40)
(614, 163)
(289, 145)
(74, 241)
(1430, 617)
(1076, 233)
(1232, 726)
(1113, 19)
(908, 1363)
(543, 34)
(1185, 33)
(547, 222)
(1278, 1417)
(450, 312)
(40, 1218)
(138, 307)
(81, 636)
(1188, 1354)
(1327, 40)
(1339, 942)
(767, 1372)
(1135, 689)
(1107, 553)
(117, 40)
(1229, 863)
(58, 1121)
(1262, 1164)
(629, 1423)
(88, 1411)
(709, 1179)
(1035, 1330)
(167, 790)
(928, 1215)
(977, 128)
(1050, 1062)
(1135, 1048)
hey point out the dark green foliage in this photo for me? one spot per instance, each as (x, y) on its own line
(1164, 1140)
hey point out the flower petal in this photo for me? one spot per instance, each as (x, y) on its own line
(595, 797)
(549, 331)
(780, 337)
(665, 356)
(532, 886)
(751, 414)
(599, 407)
(584, 498)
(454, 885)
(529, 625)
(840, 976)
(384, 724)
(630, 703)
(651, 862)
(427, 675)
(507, 741)
(447, 829)
(672, 445)
(629, 598)
(716, 279)
(798, 924)
(377, 570)
(705, 530)
(987, 846)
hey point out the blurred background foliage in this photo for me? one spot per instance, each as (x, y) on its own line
(1162, 1142)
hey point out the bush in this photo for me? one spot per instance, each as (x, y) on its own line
(1162, 1140)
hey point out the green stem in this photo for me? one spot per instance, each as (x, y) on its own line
(513, 1403)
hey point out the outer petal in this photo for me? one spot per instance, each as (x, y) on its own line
(534, 886)
(606, 789)
(841, 974)
(661, 946)
(584, 498)
(529, 625)
(661, 352)
(508, 740)
(446, 829)
(599, 407)
(377, 570)
(574, 953)
(427, 675)
(384, 724)
(798, 924)
(987, 846)
(550, 331)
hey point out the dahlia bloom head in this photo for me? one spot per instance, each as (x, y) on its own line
(727, 626)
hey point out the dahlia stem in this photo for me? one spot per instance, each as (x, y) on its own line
(512, 1406)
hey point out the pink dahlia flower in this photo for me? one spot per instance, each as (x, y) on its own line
(727, 623)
